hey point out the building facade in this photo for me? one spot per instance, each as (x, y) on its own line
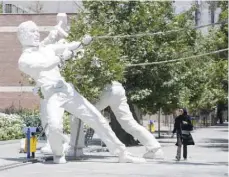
(41, 7)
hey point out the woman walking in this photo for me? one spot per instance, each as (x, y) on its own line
(182, 128)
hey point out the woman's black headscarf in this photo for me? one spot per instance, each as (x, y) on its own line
(185, 112)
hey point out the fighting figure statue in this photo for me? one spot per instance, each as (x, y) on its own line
(114, 96)
(41, 63)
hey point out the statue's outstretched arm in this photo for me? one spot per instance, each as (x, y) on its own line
(51, 38)
(54, 35)
(72, 46)
(60, 48)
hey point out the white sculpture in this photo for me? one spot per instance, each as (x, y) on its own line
(73, 147)
(41, 63)
(114, 96)
(53, 37)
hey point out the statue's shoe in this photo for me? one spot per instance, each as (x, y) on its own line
(59, 159)
(46, 149)
(127, 157)
(154, 154)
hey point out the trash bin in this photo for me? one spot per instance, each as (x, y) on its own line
(151, 126)
(33, 144)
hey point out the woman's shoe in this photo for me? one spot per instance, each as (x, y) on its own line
(177, 158)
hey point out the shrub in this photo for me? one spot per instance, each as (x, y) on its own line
(11, 125)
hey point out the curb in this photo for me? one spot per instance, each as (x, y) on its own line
(10, 142)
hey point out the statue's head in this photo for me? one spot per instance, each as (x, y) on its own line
(28, 34)
(62, 17)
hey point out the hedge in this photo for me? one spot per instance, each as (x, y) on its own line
(11, 125)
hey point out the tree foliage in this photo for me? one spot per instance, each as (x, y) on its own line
(148, 87)
(1, 8)
(209, 80)
(194, 83)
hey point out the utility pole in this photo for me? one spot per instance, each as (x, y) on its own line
(197, 12)
(159, 123)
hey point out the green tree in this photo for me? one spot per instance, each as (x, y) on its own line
(1, 8)
(149, 87)
(208, 81)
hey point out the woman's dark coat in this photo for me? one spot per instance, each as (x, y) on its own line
(183, 122)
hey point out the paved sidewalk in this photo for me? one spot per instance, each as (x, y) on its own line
(208, 158)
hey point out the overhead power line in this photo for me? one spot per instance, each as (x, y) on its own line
(156, 33)
(179, 59)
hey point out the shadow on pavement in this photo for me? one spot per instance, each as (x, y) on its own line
(223, 147)
(219, 126)
(19, 159)
(85, 158)
(194, 163)
(215, 140)
(167, 142)
(222, 125)
(221, 144)
(49, 159)
(223, 130)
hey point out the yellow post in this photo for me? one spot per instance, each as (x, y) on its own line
(151, 127)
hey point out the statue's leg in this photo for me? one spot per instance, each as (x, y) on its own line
(76, 126)
(82, 108)
(46, 149)
(77, 137)
(124, 116)
(104, 99)
(56, 138)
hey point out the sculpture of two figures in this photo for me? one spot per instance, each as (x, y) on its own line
(41, 61)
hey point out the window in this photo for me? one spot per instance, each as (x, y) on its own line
(8, 8)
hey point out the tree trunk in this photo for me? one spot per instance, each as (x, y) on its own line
(220, 109)
(221, 118)
(123, 136)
